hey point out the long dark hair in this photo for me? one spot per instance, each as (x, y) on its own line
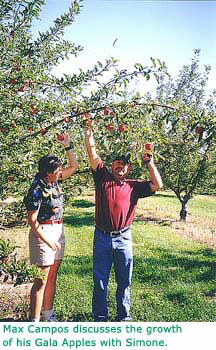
(48, 164)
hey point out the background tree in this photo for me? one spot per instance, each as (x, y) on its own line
(187, 129)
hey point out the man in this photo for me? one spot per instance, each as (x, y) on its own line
(116, 200)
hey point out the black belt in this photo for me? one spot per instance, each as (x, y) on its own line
(114, 233)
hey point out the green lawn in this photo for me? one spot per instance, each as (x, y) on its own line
(173, 277)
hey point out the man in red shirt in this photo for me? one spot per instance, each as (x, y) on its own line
(116, 201)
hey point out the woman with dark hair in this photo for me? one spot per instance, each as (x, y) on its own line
(44, 203)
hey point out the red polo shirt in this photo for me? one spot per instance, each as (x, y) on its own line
(116, 201)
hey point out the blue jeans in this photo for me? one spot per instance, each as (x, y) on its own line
(105, 251)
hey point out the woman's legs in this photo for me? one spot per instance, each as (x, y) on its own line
(50, 288)
(43, 290)
(37, 293)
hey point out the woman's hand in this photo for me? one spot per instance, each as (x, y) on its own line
(54, 245)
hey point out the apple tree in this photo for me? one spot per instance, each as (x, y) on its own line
(36, 106)
(186, 120)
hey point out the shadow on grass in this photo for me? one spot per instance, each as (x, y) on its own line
(78, 265)
(166, 195)
(207, 252)
(8, 319)
(81, 317)
(211, 293)
(148, 219)
(85, 219)
(180, 297)
(163, 266)
(166, 266)
(81, 203)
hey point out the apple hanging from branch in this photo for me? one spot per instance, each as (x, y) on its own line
(198, 130)
(122, 128)
(60, 137)
(110, 127)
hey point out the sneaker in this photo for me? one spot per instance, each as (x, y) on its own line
(100, 319)
(52, 319)
(123, 319)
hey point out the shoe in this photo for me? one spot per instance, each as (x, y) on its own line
(123, 319)
(52, 319)
(100, 319)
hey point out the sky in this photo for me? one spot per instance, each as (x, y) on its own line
(168, 30)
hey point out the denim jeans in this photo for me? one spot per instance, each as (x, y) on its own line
(108, 250)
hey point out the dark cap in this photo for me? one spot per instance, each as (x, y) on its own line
(123, 157)
(48, 164)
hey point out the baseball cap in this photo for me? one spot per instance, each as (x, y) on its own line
(123, 157)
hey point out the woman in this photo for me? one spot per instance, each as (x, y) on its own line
(44, 203)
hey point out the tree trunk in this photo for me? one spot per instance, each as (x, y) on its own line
(184, 211)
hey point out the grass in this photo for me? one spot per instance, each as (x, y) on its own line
(174, 263)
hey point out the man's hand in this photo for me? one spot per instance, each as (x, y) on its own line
(148, 158)
(64, 140)
(155, 178)
(94, 158)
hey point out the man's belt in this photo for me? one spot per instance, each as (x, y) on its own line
(113, 233)
(51, 222)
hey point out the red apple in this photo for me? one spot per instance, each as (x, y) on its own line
(13, 81)
(199, 130)
(60, 137)
(67, 119)
(21, 89)
(148, 146)
(106, 111)
(110, 127)
(3, 130)
(122, 128)
(28, 83)
(43, 131)
(133, 104)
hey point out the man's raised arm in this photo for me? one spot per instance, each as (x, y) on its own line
(94, 158)
(155, 178)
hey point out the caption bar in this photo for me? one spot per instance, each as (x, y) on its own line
(109, 336)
